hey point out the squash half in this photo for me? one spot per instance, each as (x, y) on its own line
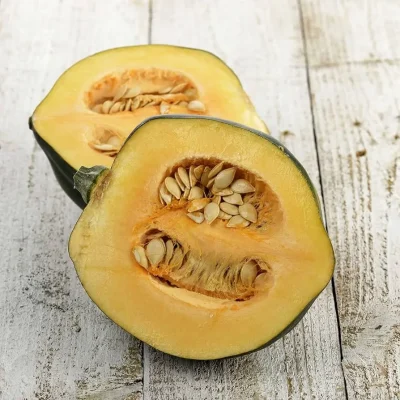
(222, 291)
(96, 103)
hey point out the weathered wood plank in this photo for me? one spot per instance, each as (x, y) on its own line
(264, 46)
(54, 342)
(358, 31)
(356, 106)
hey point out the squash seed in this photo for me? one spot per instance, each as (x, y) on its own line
(229, 208)
(234, 198)
(261, 280)
(211, 212)
(104, 147)
(128, 105)
(216, 199)
(169, 246)
(192, 176)
(183, 103)
(165, 90)
(224, 215)
(164, 108)
(196, 105)
(248, 273)
(237, 222)
(223, 192)
(165, 195)
(179, 181)
(210, 183)
(155, 251)
(177, 258)
(114, 141)
(198, 171)
(178, 88)
(242, 186)
(204, 176)
(216, 170)
(122, 106)
(224, 178)
(173, 187)
(140, 256)
(184, 176)
(120, 93)
(186, 194)
(106, 106)
(196, 216)
(195, 193)
(115, 107)
(197, 204)
(135, 104)
(248, 211)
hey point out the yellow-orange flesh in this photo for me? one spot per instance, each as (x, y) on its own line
(95, 104)
(184, 314)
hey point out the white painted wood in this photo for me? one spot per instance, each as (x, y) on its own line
(264, 46)
(357, 121)
(343, 31)
(54, 342)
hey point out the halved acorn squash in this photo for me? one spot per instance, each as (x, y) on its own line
(94, 105)
(204, 239)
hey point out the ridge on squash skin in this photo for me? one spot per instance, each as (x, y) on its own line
(93, 106)
(162, 305)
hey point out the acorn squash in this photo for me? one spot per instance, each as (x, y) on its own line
(94, 105)
(204, 239)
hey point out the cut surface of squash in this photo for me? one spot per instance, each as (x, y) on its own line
(204, 239)
(95, 104)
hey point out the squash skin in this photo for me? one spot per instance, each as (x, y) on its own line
(63, 171)
(299, 317)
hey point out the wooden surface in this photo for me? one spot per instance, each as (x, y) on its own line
(325, 76)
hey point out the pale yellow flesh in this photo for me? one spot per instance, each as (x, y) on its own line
(63, 119)
(175, 320)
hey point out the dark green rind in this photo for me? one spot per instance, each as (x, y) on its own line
(311, 186)
(62, 170)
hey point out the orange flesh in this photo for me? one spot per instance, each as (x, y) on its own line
(176, 320)
(66, 119)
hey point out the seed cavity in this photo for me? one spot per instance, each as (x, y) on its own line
(105, 141)
(210, 192)
(177, 265)
(133, 90)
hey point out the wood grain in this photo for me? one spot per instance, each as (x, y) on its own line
(264, 46)
(54, 342)
(356, 106)
(355, 31)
